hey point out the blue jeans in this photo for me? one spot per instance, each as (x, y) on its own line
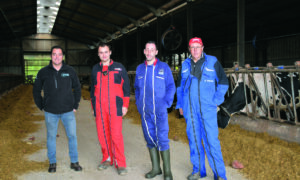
(69, 122)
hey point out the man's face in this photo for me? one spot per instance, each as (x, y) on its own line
(57, 57)
(196, 50)
(150, 51)
(104, 54)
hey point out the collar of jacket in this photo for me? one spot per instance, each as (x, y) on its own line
(110, 63)
(51, 65)
(154, 64)
(203, 56)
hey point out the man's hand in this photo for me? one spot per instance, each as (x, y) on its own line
(74, 110)
(180, 111)
(124, 111)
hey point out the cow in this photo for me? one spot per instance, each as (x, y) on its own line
(234, 103)
(266, 95)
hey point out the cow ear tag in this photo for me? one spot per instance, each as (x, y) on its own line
(236, 66)
(280, 67)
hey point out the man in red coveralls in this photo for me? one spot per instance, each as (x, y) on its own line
(110, 93)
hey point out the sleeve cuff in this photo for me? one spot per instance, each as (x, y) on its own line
(126, 102)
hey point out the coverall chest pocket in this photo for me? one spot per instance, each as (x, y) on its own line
(208, 85)
(208, 74)
(160, 86)
(117, 78)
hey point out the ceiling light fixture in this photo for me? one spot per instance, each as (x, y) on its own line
(46, 14)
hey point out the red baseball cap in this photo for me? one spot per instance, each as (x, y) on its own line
(196, 40)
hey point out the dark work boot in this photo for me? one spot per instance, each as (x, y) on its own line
(165, 155)
(52, 168)
(76, 166)
(156, 170)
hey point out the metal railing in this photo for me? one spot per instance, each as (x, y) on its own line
(276, 102)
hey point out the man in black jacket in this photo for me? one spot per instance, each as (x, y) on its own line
(59, 101)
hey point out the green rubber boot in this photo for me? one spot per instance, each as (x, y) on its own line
(165, 155)
(156, 170)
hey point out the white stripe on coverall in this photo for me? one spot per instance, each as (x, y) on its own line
(156, 145)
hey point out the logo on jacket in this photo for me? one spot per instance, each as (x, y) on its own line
(185, 70)
(209, 69)
(161, 72)
(118, 69)
(65, 74)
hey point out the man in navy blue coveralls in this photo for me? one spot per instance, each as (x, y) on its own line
(202, 86)
(154, 93)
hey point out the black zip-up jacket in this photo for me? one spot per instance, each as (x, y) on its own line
(57, 87)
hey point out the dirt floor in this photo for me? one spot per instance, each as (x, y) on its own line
(23, 147)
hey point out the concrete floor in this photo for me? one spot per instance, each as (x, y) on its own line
(138, 160)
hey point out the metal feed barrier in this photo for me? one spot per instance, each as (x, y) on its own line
(275, 102)
(282, 106)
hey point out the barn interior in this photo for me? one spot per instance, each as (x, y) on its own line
(248, 34)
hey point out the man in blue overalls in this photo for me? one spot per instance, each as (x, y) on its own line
(154, 93)
(202, 84)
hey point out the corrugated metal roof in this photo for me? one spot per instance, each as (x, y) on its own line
(91, 21)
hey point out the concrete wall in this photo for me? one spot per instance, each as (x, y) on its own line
(283, 131)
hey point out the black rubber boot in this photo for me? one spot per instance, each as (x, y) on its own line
(165, 155)
(156, 170)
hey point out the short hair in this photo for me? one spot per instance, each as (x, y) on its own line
(151, 42)
(57, 47)
(103, 45)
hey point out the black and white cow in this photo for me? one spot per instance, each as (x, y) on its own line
(267, 95)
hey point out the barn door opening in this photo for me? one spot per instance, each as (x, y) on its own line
(33, 63)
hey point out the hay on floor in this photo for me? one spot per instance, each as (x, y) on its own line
(85, 93)
(16, 122)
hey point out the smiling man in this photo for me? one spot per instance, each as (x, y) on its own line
(202, 84)
(154, 93)
(110, 93)
(58, 81)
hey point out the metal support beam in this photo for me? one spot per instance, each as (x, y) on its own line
(66, 51)
(138, 46)
(241, 32)
(92, 18)
(156, 12)
(85, 25)
(82, 33)
(158, 36)
(189, 21)
(22, 61)
(24, 17)
(124, 53)
(6, 20)
(70, 17)
(108, 10)
(83, 40)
